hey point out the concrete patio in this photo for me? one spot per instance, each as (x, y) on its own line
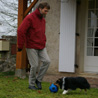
(91, 78)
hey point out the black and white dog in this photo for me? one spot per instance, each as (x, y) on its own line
(72, 83)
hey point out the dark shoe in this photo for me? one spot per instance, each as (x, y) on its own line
(38, 84)
(33, 88)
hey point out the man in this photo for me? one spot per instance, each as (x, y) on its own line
(32, 33)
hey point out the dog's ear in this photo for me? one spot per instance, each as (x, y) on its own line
(59, 79)
(56, 84)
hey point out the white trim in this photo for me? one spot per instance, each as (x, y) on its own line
(90, 62)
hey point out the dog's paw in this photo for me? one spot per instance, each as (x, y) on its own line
(64, 92)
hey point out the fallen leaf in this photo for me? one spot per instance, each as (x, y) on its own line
(39, 91)
(16, 78)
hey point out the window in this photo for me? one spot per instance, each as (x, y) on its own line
(92, 33)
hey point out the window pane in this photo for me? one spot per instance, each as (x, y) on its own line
(97, 13)
(93, 23)
(90, 42)
(96, 42)
(89, 22)
(97, 22)
(91, 4)
(90, 13)
(96, 52)
(96, 33)
(89, 51)
(90, 32)
(96, 3)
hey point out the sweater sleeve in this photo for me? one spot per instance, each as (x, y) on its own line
(21, 32)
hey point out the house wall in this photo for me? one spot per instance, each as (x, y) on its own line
(53, 32)
(81, 27)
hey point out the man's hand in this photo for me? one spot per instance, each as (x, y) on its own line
(19, 50)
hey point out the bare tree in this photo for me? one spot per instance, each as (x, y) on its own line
(8, 17)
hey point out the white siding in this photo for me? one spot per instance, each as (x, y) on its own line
(67, 36)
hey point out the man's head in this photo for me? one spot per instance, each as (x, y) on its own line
(43, 7)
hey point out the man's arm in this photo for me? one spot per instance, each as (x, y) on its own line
(21, 32)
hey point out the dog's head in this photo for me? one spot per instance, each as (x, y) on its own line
(58, 83)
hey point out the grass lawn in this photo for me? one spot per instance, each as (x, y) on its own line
(13, 87)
